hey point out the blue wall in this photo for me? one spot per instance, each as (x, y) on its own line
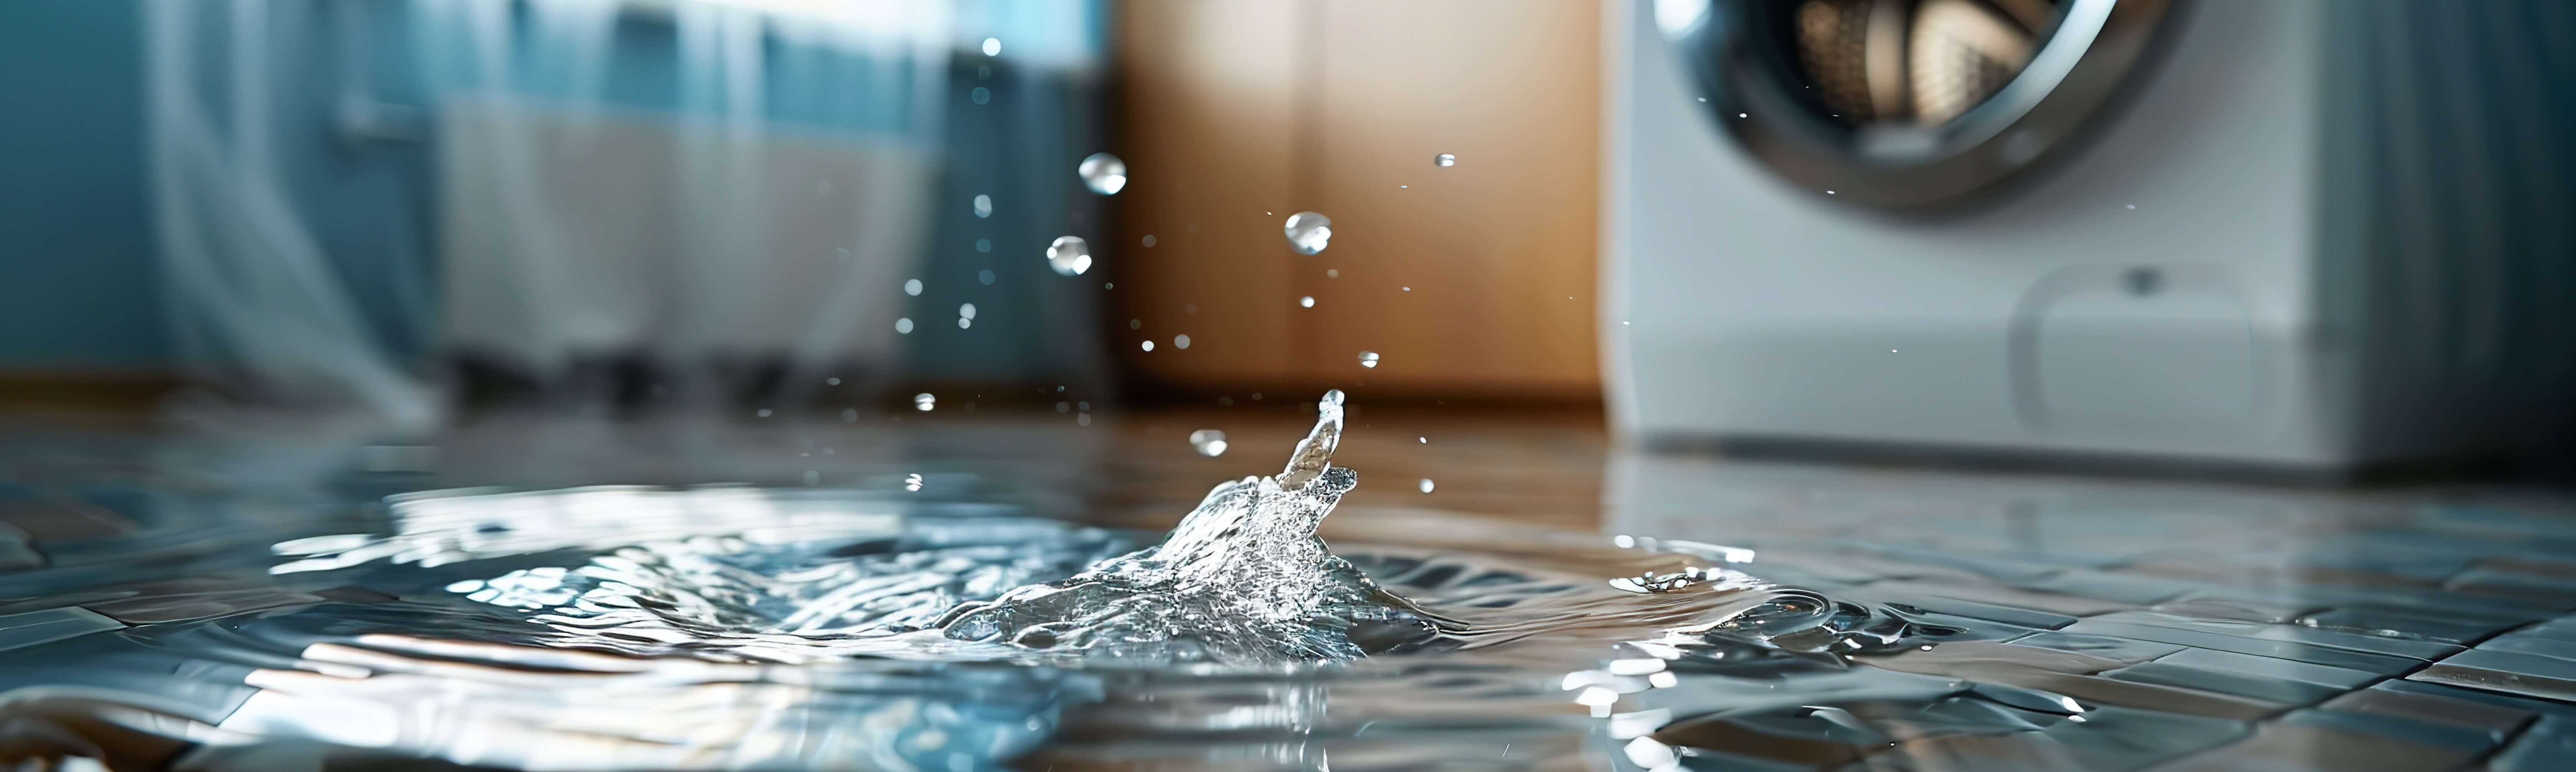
(77, 283)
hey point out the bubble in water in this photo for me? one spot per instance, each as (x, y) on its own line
(1148, 345)
(912, 287)
(1426, 485)
(903, 326)
(1208, 442)
(1306, 302)
(1069, 256)
(966, 310)
(983, 205)
(1180, 341)
(1368, 359)
(1308, 232)
(1444, 159)
(1103, 173)
(924, 402)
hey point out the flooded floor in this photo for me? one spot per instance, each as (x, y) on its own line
(891, 592)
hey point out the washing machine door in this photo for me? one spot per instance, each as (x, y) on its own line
(1908, 104)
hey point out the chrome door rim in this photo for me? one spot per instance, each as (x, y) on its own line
(2094, 48)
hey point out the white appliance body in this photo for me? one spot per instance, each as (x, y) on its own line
(2214, 274)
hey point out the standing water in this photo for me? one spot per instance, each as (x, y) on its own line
(910, 620)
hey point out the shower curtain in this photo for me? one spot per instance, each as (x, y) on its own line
(350, 195)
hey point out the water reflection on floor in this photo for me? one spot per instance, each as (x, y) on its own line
(240, 600)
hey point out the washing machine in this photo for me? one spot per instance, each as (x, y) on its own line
(2307, 235)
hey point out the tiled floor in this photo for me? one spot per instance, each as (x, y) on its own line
(2219, 627)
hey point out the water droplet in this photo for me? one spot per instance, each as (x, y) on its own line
(1082, 419)
(2133, 206)
(1103, 173)
(849, 415)
(1135, 324)
(1208, 442)
(985, 277)
(764, 412)
(983, 205)
(903, 326)
(1444, 159)
(965, 323)
(1308, 232)
(831, 381)
(1063, 407)
(992, 46)
(980, 95)
(966, 310)
(1306, 302)
(1149, 345)
(912, 287)
(1190, 308)
(983, 245)
(1149, 239)
(1742, 115)
(1368, 359)
(1408, 289)
(1332, 273)
(1423, 440)
(912, 482)
(924, 402)
(1180, 341)
(1829, 192)
(1069, 256)
(1426, 485)
(813, 477)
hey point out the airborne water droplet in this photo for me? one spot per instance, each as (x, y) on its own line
(924, 402)
(966, 310)
(912, 287)
(1444, 159)
(1148, 345)
(983, 205)
(1368, 359)
(1308, 232)
(1426, 485)
(1180, 341)
(1306, 302)
(1103, 173)
(992, 46)
(1208, 442)
(903, 326)
(1069, 256)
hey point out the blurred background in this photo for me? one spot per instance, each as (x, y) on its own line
(1689, 222)
(415, 207)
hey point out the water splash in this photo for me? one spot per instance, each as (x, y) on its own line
(1069, 256)
(1243, 579)
(1103, 173)
(1309, 232)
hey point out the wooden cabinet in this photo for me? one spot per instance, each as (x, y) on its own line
(1234, 115)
